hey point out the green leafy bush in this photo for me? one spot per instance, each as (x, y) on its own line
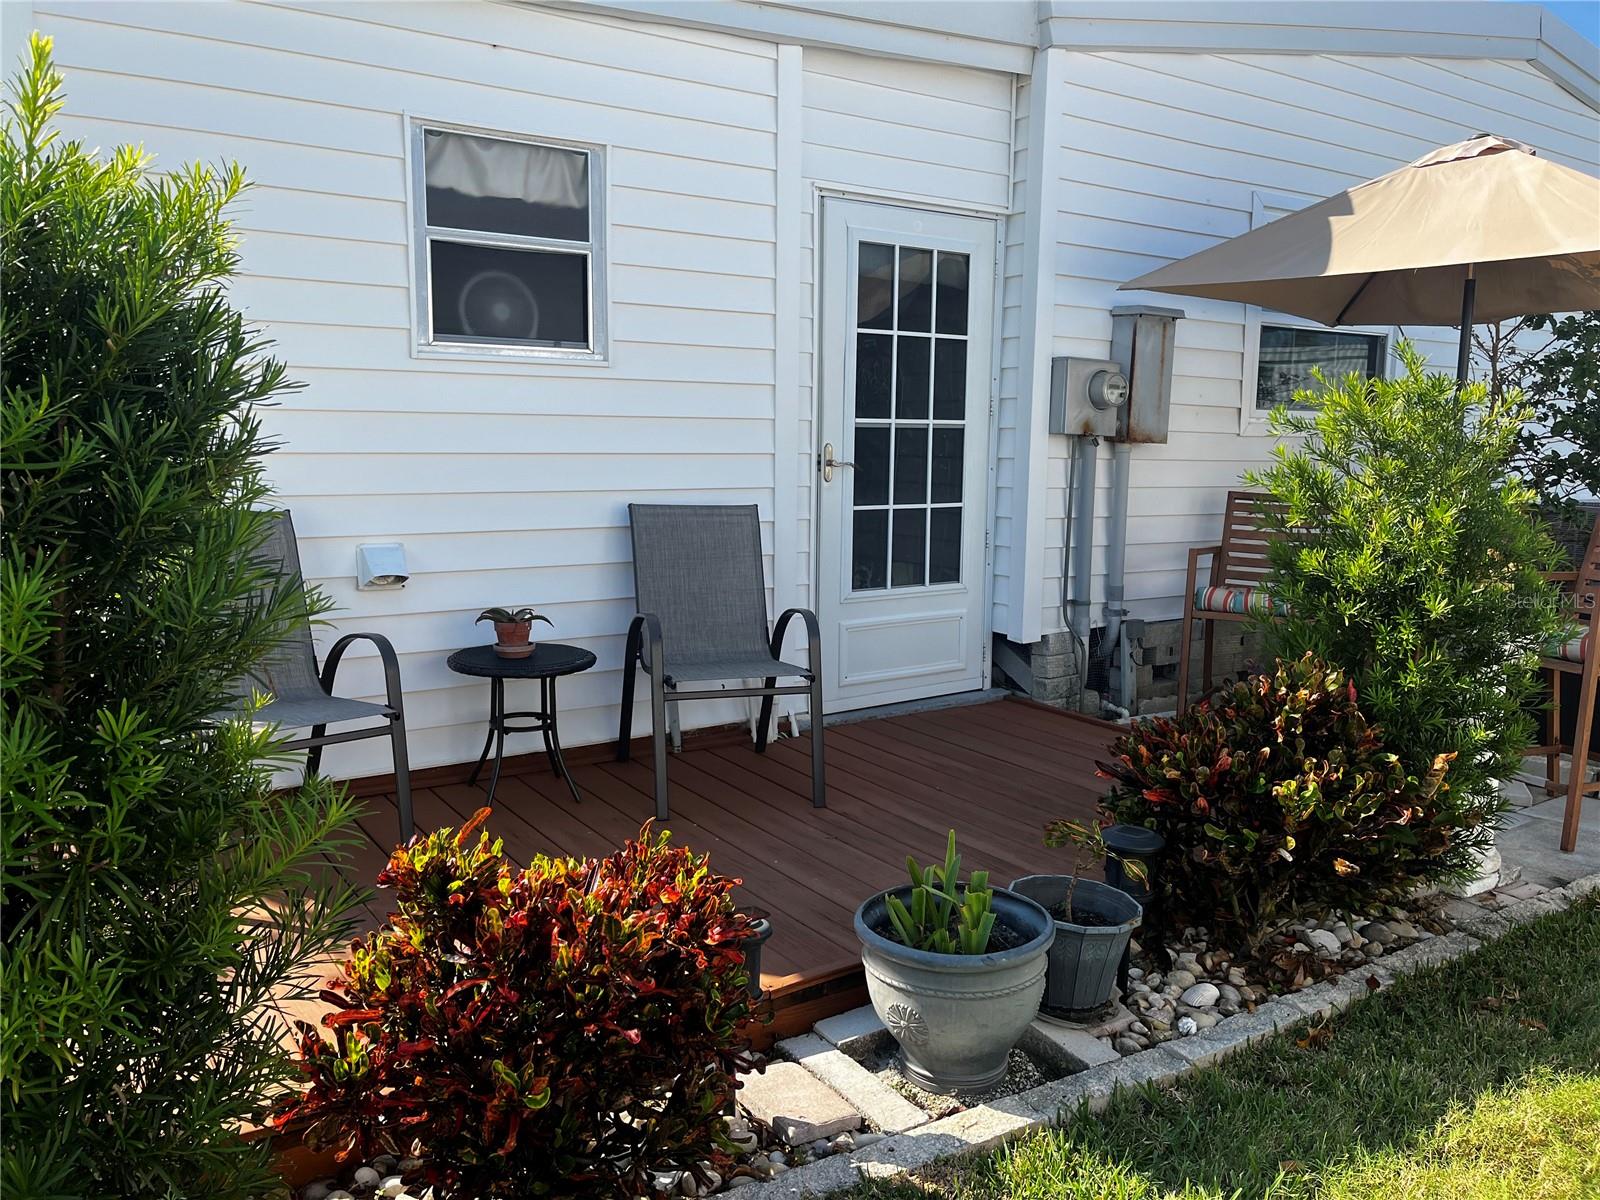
(1412, 558)
(1275, 796)
(1554, 363)
(155, 892)
(557, 1031)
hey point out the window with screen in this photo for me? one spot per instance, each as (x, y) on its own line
(508, 244)
(1290, 353)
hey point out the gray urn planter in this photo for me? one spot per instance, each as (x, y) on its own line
(956, 1016)
(1083, 958)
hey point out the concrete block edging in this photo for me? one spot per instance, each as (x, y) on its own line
(986, 1125)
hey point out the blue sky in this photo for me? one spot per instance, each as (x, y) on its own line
(1582, 15)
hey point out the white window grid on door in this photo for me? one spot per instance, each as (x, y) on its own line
(894, 423)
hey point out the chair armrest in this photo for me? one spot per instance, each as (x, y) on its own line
(644, 630)
(391, 664)
(813, 636)
(1196, 553)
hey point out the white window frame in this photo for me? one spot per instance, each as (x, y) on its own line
(422, 234)
(1264, 208)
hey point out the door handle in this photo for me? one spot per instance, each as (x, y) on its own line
(829, 462)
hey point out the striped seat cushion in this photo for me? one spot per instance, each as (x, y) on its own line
(1573, 646)
(1226, 599)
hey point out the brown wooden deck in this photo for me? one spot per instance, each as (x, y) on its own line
(994, 771)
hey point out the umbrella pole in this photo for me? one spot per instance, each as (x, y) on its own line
(1469, 296)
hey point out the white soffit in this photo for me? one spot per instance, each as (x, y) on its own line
(1001, 35)
(1491, 29)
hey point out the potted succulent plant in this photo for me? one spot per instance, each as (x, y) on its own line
(512, 629)
(955, 972)
(1093, 922)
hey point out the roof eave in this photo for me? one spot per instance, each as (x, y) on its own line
(1423, 28)
(1003, 34)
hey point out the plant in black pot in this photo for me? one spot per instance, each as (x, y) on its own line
(955, 971)
(1093, 922)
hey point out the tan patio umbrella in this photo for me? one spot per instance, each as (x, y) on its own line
(1479, 231)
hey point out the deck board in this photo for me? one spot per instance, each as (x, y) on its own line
(995, 771)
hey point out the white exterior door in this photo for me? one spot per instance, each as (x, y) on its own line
(907, 336)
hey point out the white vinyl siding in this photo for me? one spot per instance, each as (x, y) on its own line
(911, 133)
(1162, 156)
(507, 481)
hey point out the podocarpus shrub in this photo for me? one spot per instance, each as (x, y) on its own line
(1413, 559)
(557, 1031)
(155, 892)
(1275, 796)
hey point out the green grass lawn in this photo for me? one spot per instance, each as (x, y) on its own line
(1479, 1080)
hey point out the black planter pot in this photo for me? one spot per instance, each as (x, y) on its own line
(752, 952)
(1084, 959)
(1134, 843)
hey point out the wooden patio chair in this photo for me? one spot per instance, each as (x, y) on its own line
(702, 616)
(1232, 591)
(303, 697)
(1575, 654)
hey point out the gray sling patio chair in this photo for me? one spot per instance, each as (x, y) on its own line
(302, 696)
(702, 616)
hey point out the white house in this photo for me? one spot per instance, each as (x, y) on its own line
(535, 261)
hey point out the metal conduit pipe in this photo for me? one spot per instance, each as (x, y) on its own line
(1081, 542)
(1116, 552)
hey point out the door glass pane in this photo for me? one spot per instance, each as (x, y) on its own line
(506, 187)
(911, 371)
(952, 292)
(916, 289)
(949, 380)
(944, 546)
(911, 464)
(874, 371)
(872, 464)
(869, 549)
(948, 447)
(521, 297)
(910, 548)
(911, 379)
(875, 287)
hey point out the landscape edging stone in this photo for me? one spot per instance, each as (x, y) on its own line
(984, 1126)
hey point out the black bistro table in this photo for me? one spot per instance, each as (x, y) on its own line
(548, 662)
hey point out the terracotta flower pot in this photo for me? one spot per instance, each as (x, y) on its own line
(511, 639)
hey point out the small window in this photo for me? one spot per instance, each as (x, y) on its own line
(1289, 353)
(508, 244)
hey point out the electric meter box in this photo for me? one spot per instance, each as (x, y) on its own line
(1142, 339)
(1085, 396)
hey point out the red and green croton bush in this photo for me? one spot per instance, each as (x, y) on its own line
(1277, 796)
(559, 1031)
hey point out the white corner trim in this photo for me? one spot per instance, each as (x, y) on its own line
(786, 338)
(1030, 491)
